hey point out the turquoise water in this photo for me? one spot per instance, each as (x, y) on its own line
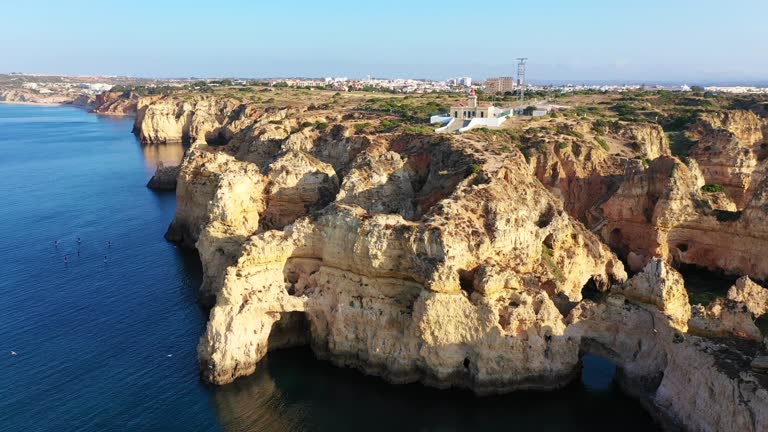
(110, 345)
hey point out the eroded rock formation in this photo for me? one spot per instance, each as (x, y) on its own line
(109, 103)
(377, 258)
(195, 119)
(751, 294)
(582, 173)
(164, 178)
(426, 258)
(18, 95)
(661, 211)
(731, 150)
(685, 380)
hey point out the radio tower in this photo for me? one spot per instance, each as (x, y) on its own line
(521, 77)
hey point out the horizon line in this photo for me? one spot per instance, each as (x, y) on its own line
(533, 81)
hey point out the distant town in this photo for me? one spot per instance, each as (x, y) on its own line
(56, 87)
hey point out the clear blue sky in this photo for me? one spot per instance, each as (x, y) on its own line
(648, 40)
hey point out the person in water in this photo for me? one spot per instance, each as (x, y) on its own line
(105, 258)
(56, 243)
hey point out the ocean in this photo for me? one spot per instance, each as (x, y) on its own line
(100, 334)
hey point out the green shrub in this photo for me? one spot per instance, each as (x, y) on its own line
(360, 127)
(565, 130)
(548, 258)
(679, 143)
(411, 111)
(679, 121)
(701, 297)
(474, 168)
(600, 127)
(321, 126)
(602, 143)
(420, 130)
(712, 188)
(388, 125)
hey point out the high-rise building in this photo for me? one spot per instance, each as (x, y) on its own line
(500, 84)
(464, 81)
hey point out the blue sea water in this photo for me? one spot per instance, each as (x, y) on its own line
(106, 340)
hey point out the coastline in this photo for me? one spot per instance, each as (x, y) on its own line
(62, 104)
(36, 103)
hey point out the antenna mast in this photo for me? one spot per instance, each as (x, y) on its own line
(521, 76)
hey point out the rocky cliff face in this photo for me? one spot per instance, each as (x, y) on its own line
(164, 178)
(429, 258)
(687, 381)
(118, 104)
(109, 103)
(731, 150)
(373, 237)
(582, 173)
(661, 211)
(28, 96)
(387, 295)
(657, 207)
(194, 119)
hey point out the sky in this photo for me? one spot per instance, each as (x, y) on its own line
(572, 41)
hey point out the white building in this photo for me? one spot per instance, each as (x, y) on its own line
(465, 81)
(463, 117)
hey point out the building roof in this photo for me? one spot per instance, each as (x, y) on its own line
(461, 105)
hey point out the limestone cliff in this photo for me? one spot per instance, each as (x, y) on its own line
(381, 242)
(109, 103)
(567, 159)
(429, 258)
(686, 381)
(731, 149)
(164, 178)
(387, 295)
(754, 296)
(661, 211)
(18, 95)
(193, 119)
(117, 104)
(658, 206)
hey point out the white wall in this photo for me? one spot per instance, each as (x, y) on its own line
(440, 119)
(484, 122)
(444, 128)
